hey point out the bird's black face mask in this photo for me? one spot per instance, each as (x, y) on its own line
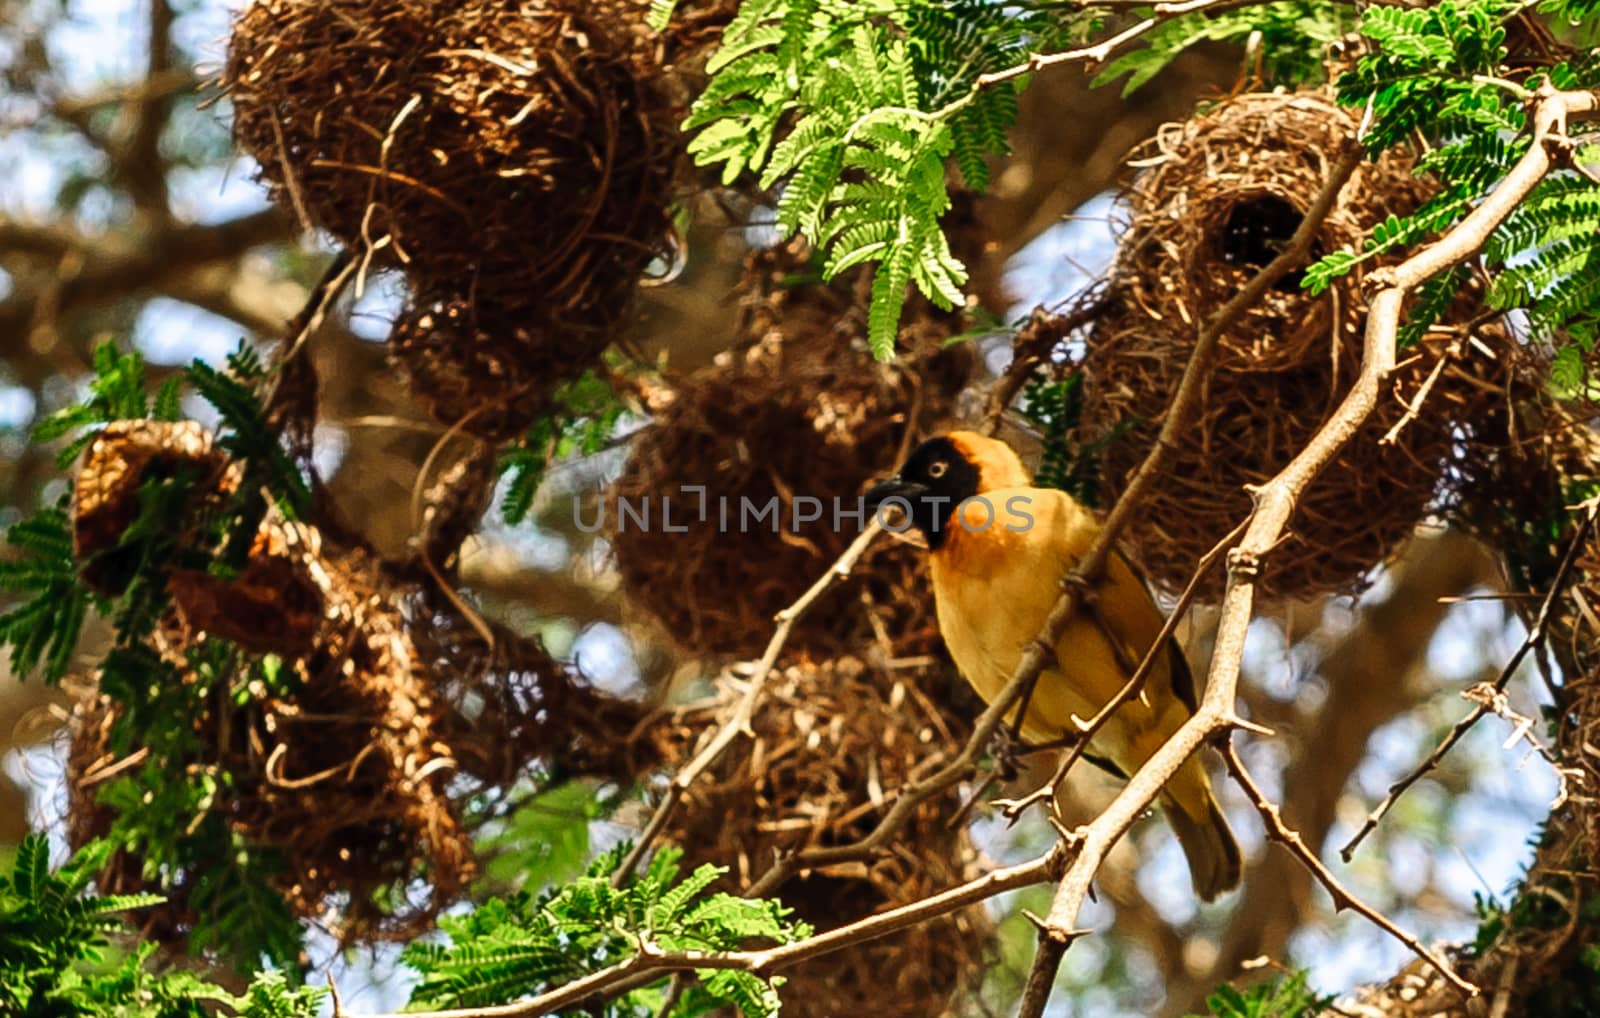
(935, 479)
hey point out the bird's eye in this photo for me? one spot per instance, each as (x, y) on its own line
(937, 469)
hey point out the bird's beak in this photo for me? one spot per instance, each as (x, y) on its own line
(894, 487)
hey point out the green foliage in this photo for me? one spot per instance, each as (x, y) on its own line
(57, 957)
(1438, 72)
(246, 434)
(44, 627)
(660, 14)
(583, 421)
(1285, 997)
(166, 810)
(521, 945)
(117, 392)
(851, 109)
(1290, 38)
(545, 839)
(1055, 408)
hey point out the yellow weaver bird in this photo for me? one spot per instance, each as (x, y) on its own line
(998, 550)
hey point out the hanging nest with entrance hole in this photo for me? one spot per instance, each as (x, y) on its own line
(527, 149)
(1216, 198)
(1228, 190)
(831, 747)
(389, 712)
(797, 410)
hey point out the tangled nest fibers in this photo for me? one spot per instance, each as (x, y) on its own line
(831, 745)
(526, 147)
(484, 367)
(1229, 188)
(399, 709)
(798, 409)
(516, 160)
(1216, 198)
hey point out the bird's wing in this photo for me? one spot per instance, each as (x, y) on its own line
(1125, 605)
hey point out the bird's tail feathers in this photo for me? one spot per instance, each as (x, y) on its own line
(1207, 842)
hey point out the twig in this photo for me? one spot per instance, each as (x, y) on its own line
(1414, 405)
(1275, 502)
(1537, 634)
(675, 990)
(1288, 837)
(1034, 343)
(1097, 54)
(651, 962)
(291, 181)
(312, 314)
(740, 721)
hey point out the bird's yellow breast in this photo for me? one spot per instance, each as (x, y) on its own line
(994, 588)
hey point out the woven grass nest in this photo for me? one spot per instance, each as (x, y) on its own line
(831, 744)
(524, 147)
(1216, 197)
(395, 711)
(796, 409)
(515, 160)
(1228, 189)
(488, 368)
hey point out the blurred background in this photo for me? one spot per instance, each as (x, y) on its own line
(127, 215)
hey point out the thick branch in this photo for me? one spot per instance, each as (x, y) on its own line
(1276, 501)
(123, 266)
(143, 166)
(1391, 638)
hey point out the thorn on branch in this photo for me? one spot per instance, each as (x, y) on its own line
(1272, 819)
(1243, 564)
(1242, 724)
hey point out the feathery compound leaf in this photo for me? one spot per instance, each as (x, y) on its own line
(246, 433)
(850, 110)
(1291, 39)
(511, 947)
(660, 15)
(584, 418)
(44, 628)
(1439, 72)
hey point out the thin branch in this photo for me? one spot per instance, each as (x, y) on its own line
(1013, 808)
(1537, 634)
(1158, 14)
(650, 963)
(1033, 345)
(1277, 499)
(1343, 899)
(739, 723)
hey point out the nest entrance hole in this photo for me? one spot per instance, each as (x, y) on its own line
(1257, 230)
